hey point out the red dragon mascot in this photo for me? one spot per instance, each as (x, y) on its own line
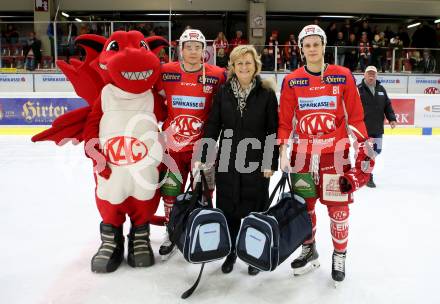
(121, 135)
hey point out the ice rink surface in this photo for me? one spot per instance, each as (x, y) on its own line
(49, 230)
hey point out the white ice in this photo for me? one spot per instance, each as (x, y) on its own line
(49, 231)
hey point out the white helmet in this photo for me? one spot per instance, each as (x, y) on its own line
(311, 30)
(192, 35)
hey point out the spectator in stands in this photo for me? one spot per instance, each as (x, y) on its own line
(389, 33)
(424, 37)
(397, 45)
(221, 58)
(404, 37)
(272, 45)
(347, 30)
(376, 52)
(238, 40)
(415, 59)
(341, 49)
(163, 56)
(291, 52)
(32, 52)
(364, 51)
(351, 57)
(366, 29)
(428, 63)
(267, 61)
(221, 43)
(383, 44)
(377, 106)
(332, 34)
(11, 34)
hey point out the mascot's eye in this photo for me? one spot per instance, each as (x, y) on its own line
(113, 46)
(144, 44)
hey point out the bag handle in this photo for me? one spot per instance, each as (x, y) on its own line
(281, 184)
(198, 191)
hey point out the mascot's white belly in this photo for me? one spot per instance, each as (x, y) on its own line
(128, 133)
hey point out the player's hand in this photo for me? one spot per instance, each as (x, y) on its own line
(267, 173)
(284, 160)
(393, 124)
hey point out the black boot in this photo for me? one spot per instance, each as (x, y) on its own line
(140, 253)
(111, 252)
(252, 271)
(307, 261)
(371, 183)
(338, 266)
(228, 264)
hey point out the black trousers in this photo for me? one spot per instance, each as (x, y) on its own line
(234, 226)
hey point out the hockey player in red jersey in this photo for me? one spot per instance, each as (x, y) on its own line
(320, 108)
(189, 87)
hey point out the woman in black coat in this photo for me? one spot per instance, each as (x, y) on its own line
(245, 116)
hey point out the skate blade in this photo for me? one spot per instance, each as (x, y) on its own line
(312, 265)
(166, 257)
(336, 284)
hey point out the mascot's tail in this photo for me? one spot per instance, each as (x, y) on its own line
(158, 220)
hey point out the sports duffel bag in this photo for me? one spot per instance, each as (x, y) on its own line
(266, 239)
(199, 231)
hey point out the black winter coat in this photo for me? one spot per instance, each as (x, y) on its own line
(375, 108)
(240, 193)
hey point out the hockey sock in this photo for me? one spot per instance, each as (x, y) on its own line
(339, 226)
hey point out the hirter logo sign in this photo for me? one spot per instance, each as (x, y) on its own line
(123, 151)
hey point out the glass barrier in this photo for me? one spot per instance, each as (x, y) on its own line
(22, 51)
(35, 46)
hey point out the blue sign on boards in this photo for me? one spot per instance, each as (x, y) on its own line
(36, 111)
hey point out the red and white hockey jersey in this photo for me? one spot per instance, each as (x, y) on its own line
(188, 101)
(320, 112)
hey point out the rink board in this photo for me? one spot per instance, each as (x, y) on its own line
(28, 113)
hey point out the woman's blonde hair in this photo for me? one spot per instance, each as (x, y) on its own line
(240, 51)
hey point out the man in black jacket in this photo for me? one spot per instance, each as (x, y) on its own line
(376, 105)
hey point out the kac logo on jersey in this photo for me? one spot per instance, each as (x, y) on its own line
(335, 79)
(212, 80)
(171, 76)
(298, 82)
(317, 103)
(317, 123)
(123, 151)
(188, 102)
(186, 127)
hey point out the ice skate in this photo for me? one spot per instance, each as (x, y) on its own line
(371, 183)
(338, 267)
(111, 252)
(167, 249)
(140, 253)
(307, 261)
